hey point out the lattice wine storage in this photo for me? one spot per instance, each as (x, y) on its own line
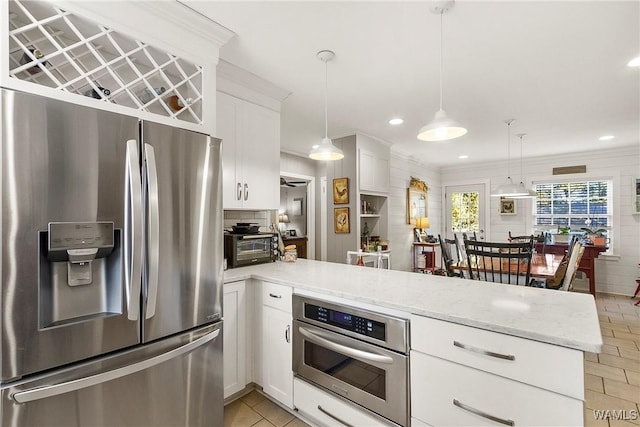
(52, 47)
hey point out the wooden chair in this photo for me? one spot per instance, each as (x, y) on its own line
(576, 250)
(499, 262)
(445, 246)
(520, 239)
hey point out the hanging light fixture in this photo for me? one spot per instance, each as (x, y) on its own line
(530, 194)
(441, 128)
(509, 189)
(326, 150)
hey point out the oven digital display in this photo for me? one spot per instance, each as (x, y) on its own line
(346, 321)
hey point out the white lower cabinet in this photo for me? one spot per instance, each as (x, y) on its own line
(462, 375)
(276, 323)
(234, 337)
(325, 409)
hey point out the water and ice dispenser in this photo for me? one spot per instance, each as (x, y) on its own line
(80, 272)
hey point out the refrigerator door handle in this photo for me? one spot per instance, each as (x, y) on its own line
(133, 225)
(39, 393)
(153, 229)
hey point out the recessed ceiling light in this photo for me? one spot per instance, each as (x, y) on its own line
(396, 121)
(464, 156)
(635, 62)
(606, 138)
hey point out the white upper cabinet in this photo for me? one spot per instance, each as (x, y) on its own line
(373, 171)
(250, 154)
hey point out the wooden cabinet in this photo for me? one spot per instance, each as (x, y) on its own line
(235, 337)
(468, 376)
(276, 323)
(250, 154)
(301, 245)
(424, 257)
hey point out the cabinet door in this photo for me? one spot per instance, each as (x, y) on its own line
(261, 158)
(277, 376)
(235, 330)
(228, 124)
(373, 172)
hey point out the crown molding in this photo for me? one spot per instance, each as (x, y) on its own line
(239, 76)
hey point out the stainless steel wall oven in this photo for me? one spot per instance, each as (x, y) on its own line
(354, 353)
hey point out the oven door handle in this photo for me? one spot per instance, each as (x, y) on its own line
(348, 351)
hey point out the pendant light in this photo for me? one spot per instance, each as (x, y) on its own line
(530, 193)
(509, 189)
(326, 150)
(441, 128)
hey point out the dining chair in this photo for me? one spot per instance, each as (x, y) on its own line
(499, 262)
(445, 247)
(520, 239)
(576, 250)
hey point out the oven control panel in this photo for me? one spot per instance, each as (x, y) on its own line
(347, 321)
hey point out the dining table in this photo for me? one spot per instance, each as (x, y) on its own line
(543, 266)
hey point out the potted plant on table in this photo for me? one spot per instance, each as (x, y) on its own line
(562, 236)
(597, 237)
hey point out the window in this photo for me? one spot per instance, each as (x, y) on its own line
(465, 211)
(574, 204)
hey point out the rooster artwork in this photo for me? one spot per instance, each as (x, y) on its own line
(341, 191)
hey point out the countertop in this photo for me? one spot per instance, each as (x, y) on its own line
(566, 319)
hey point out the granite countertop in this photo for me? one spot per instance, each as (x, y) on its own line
(563, 318)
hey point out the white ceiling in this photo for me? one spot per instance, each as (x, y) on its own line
(557, 67)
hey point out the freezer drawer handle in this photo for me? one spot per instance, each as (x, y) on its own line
(483, 414)
(66, 387)
(343, 349)
(482, 351)
(330, 415)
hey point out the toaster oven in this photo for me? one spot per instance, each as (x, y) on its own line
(249, 249)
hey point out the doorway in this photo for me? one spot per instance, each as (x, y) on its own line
(466, 210)
(297, 211)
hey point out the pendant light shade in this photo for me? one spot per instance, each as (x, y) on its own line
(530, 194)
(326, 150)
(441, 128)
(509, 189)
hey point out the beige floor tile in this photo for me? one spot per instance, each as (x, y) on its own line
(633, 377)
(604, 371)
(620, 362)
(610, 349)
(253, 398)
(590, 419)
(611, 307)
(297, 422)
(622, 327)
(634, 329)
(263, 423)
(621, 423)
(592, 382)
(595, 400)
(591, 357)
(272, 412)
(603, 318)
(237, 414)
(622, 390)
(633, 319)
(618, 342)
(606, 332)
(626, 336)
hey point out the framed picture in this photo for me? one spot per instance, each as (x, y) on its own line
(341, 191)
(416, 201)
(297, 208)
(507, 206)
(341, 220)
(292, 233)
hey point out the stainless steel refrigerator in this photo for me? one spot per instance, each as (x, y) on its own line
(111, 269)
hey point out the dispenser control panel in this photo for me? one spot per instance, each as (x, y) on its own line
(75, 235)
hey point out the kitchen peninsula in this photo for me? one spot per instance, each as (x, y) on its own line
(457, 327)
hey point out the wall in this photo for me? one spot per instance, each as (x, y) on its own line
(401, 233)
(615, 273)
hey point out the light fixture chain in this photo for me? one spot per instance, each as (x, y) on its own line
(326, 97)
(509, 149)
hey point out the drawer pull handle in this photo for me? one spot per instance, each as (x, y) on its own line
(275, 296)
(330, 415)
(475, 411)
(485, 352)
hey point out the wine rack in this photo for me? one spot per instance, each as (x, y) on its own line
(55, 48)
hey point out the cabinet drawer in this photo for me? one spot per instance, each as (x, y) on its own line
(444, 393)
(277, 296)
(327, 410)
(548, 366)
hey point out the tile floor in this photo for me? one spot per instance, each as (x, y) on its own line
(612, 378)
